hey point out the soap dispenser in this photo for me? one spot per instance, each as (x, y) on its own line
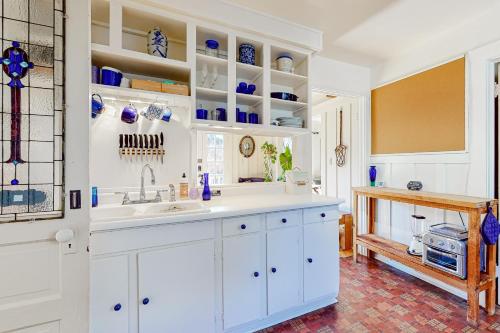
(206, 195)
(184, 187)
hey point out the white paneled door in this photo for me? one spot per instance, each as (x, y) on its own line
(44, 281)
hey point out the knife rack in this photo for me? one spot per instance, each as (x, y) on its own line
(141, 146)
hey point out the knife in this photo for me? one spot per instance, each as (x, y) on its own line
(157, 145)
(126, 143)
(161, 145)
(141, 150)
(135, 145)
(121, 145)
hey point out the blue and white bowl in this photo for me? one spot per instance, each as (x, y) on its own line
(247, 54)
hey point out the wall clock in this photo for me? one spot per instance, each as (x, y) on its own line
(247, 146)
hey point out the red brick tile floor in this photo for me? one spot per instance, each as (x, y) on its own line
(375, 297)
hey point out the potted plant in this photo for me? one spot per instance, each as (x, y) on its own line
(270, 153)
(285, 162)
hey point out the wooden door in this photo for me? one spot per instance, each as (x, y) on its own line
(43, 282)
(283, 269)
(109, 295)
(321, 260)
(177, 289)
(244, 279)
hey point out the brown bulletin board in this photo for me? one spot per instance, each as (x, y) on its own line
(422, 113)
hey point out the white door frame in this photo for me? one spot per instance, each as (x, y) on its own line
(363, 138)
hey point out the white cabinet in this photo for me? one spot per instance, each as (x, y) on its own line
(284, 269)
(177, 289)
(109, 291)
(244, 279)
(321, 259)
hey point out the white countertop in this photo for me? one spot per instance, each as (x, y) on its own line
(222, 207)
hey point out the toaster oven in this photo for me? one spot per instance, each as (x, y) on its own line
(445, 248)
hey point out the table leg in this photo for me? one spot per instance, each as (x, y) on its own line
(491, 258)
(371, 204)
(355, 227)
(473, 267)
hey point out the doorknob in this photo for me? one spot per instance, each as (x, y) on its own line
(64, 235)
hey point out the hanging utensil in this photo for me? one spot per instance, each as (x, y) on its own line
(340, 150)
(161, 145)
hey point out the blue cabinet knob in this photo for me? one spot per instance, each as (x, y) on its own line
(256, 274)
(323, 214)
(243, 226)
(117, 307)
(145, 301)
(283, 220)
(309, 260)
(273, 269)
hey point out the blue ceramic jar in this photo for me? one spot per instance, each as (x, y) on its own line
(247, 54)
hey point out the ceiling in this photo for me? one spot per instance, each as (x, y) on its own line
(369, 32)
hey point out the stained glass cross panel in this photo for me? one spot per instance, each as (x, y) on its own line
(32, 109)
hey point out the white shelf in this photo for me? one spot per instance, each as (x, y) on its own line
(136, 94)
(140, 63)
(287, 79)
(211, 62)
(248, 72)
(246, 99)
(246, 128)
(280, 104)
(211, 94)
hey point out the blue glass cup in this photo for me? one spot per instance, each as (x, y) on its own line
(201, 114)
(253, 118)
(241, 117)
(167, 114)
(111, 76)
(251, 89)
(220, 114)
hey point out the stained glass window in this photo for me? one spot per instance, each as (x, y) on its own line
(32, 111)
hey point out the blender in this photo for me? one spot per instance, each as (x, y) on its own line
(417, 226)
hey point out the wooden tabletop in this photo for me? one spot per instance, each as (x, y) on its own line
(404, 195)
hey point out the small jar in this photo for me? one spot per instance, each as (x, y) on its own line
(212, 47)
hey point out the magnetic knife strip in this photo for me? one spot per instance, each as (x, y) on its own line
(144, 146)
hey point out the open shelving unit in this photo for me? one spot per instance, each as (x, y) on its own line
(119, 39)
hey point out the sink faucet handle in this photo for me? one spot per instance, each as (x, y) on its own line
(126, 197)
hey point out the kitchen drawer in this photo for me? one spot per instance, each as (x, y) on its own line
(153, 236)
(283, 219)
(242, 225)
(321, 214)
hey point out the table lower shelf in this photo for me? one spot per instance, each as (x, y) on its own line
(397, 252)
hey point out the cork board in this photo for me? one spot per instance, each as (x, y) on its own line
(421, 113)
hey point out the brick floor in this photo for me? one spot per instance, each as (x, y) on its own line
(375, 297)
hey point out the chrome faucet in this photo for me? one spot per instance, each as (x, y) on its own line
(172, 192)
(142, 194)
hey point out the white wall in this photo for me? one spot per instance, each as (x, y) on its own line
(469, 172)
(442, 47)
(105, 160)
(332, 76)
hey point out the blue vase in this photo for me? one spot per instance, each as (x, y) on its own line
(206, 195)
(373, 175)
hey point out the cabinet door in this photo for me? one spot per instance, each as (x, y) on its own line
(109, 294)
(283, 269)
(177, 289)
(321, 260)
(244, 279)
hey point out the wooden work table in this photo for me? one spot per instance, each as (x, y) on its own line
(473, 206)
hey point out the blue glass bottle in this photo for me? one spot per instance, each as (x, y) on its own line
(373, 175)
(95, 200)
(206, 195)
